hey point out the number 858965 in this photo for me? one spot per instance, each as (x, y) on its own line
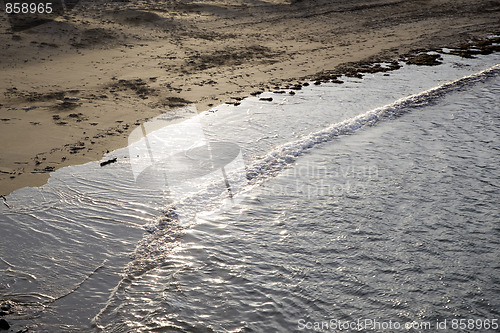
(28, 8)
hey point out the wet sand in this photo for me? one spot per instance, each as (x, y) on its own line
(73, 88)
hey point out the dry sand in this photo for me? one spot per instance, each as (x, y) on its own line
(72, 89)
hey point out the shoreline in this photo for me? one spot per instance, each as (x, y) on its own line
(51, 117)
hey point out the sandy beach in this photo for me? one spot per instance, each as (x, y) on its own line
(74, 87)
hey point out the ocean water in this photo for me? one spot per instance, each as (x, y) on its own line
(374, 202)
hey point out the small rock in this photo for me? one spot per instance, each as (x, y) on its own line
(4, 325)
(425, 59)
(354, 74)
(5, 306)
(268, 99)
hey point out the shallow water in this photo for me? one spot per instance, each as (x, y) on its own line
(396, 222)
(393, 216)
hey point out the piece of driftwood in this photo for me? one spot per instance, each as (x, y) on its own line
(113, 160)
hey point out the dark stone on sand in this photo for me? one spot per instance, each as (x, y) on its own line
(489, 49)
(337, 81)
(255, 93)
(424, 59)
(305, 84)
(236, 103)
(4, 325)
(394, 65)
(354, 74)
(291, 92)
(468, 54)
(476, 47)
(268, 99)
(324, 78)
(317, 83)
(279, 92)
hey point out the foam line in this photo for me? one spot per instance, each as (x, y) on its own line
(281, 156)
